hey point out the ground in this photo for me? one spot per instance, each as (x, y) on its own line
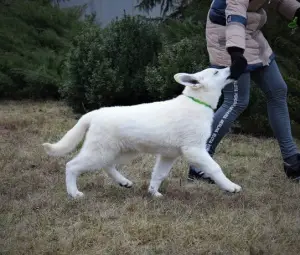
(37, 216)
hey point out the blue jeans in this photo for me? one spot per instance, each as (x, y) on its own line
(236, 99)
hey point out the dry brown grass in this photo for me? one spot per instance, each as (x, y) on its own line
(37, 217)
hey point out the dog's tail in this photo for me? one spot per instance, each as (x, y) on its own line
(71, 139)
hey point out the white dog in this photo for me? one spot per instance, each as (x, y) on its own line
(169, 129)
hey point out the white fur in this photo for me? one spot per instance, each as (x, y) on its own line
(169, 129)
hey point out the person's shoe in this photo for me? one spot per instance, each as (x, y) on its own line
(198, 175)
(292, 171)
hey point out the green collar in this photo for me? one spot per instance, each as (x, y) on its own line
(293, 24)
(199, 102)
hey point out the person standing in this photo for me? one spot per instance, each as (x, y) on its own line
(234, 38)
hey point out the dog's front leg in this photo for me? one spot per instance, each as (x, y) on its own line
(200, 158)
(160, 171)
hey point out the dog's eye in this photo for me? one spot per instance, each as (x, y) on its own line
(216, 72)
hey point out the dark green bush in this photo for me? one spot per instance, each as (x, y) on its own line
(181, 53)
(107, 67)
(34, 38)
(187, 55)
(89, 74)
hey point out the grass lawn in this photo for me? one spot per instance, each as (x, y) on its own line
(37, 217)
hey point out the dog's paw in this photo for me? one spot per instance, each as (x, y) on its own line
(126, 184)
(154, 192)
(157, 194)
(76, 195)
(233, 188)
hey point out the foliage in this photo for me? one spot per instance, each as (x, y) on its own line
(180, 53)
(107, 67)
(166, 5)
(34, 37)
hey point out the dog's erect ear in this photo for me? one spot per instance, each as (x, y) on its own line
(187, 80)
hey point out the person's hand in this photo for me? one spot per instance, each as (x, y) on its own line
(238, 62)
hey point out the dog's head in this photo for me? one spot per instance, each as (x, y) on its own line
(206, 85)
(209, 79)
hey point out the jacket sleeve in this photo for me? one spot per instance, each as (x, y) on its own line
(236, 20)
(286, 8)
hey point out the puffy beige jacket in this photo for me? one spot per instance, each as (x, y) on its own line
(238, 23)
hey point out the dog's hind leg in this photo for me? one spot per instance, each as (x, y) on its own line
(83, 162)
(118, 177)
(74, 168)
(160, 172)
(200, 158)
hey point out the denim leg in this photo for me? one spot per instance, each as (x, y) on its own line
(270, 80)
(236, 99)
